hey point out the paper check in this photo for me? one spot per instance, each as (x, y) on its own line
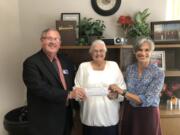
(96, 91)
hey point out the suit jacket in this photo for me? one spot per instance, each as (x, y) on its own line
(48, 112)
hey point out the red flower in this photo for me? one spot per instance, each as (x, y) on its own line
(169, 90)
(125, 22)
(175, 86)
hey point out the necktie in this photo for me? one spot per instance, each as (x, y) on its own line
(60, 72)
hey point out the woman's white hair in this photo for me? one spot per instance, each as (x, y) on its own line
(97, 42)
(140, 41)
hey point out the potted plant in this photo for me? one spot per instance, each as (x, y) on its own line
(90, 28)
(140, 26)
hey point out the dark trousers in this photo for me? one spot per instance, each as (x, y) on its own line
(93, 130)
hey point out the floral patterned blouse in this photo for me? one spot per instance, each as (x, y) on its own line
(148, 87)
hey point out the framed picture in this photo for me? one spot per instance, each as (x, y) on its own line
(166, 32)
(158, 58)
(72, 17)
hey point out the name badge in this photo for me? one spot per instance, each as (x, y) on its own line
(65, 71)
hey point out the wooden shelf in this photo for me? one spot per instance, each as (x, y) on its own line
(166, 113)
(123, 55)
(118, 46)
(74, 47)
(87, 47)
(170, 73)
(168, 46)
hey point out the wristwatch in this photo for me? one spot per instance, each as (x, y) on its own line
(124, 92)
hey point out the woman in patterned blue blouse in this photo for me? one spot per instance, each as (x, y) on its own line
(144, 84)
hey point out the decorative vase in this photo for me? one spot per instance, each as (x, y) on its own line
(124, 39)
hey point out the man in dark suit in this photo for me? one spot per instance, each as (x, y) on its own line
(48, 96)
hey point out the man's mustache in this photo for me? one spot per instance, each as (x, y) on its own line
(51, 43)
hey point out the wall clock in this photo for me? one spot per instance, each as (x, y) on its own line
(105, 7)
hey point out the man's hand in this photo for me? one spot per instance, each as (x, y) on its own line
(78, 94)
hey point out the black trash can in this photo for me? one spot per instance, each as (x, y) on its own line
(16, 122)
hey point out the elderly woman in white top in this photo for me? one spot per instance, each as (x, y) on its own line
(99, 113)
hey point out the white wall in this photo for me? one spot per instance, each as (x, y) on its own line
(11, 89)
(39, 14)
(21, 23)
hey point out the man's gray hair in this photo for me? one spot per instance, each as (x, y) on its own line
(44, 32)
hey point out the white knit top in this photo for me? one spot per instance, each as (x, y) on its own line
(99, 110)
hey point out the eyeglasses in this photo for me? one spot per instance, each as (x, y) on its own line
(99, 51)
(52, 39)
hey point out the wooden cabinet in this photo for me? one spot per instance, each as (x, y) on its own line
(80, 54)
(123, 55)
(170, 121)
(172, 53)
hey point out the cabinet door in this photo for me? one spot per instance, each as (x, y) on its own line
(170, 126)
(172, 72)
(127, 57)
(79, 55)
